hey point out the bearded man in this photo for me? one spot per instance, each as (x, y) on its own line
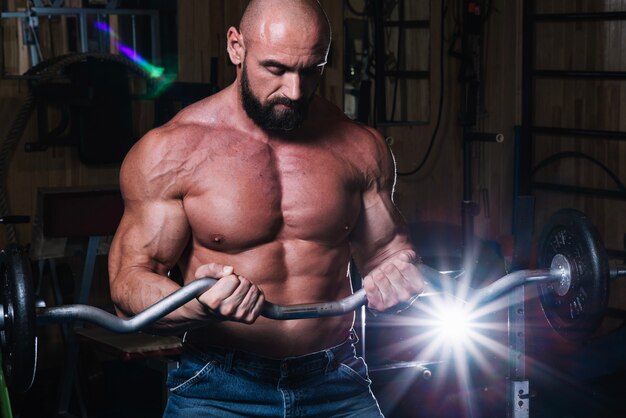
(273, 190)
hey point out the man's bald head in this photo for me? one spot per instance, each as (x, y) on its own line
(264, 17)
(280, 50)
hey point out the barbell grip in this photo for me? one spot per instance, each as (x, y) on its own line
(435, 282)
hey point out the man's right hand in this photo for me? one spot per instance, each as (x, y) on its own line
(233, 297)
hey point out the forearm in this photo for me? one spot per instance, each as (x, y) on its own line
(390, 275)
(397, 248)
(135, 290)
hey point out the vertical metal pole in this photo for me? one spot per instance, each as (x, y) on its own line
(522, 408)
(517, 134)
(84, 41)
(134, 27)
(468, 206)
(102, 37)
(69, 376)
(155, 30)
(518, 387)
(516, 324)
(518, 394)
(31, 24)
(88, 269)
(528, 51)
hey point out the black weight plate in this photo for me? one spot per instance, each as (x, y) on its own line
(576, 314)
(19, 343)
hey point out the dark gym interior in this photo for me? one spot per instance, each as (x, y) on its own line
(505, 122)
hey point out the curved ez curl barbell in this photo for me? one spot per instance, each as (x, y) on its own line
(573, 285)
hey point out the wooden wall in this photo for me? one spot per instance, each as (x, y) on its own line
(435, 193)
(585, 104)
(201, 39)
(204, 39)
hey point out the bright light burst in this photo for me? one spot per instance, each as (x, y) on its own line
(458, 335)
(459, 330)
(454, 324)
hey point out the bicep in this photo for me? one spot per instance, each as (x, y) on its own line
(380, 230)
(154, 230)
(152, 235)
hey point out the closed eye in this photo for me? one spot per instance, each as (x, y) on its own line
(276, 69)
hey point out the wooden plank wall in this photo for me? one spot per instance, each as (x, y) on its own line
(202, 58)
(435, 193)
(586, 104)
(493, 163)
(57, 167)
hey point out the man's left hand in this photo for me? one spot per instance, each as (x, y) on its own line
(397, 280)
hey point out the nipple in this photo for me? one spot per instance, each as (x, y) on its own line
(218, 239)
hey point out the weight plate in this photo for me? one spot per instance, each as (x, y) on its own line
(18, 338)
(574, 312)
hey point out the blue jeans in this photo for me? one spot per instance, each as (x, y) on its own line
(224, 383)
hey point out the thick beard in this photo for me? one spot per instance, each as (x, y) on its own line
(265, 116)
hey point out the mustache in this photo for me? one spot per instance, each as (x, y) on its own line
(287, 102)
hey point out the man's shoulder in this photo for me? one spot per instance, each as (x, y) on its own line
(166, 139)
(358, 143)
(330, 117)
(195, 123)
(350, 132)
(211, 112)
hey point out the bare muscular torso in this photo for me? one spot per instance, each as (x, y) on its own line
(280, 210)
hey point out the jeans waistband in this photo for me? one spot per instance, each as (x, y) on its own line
(322, 360)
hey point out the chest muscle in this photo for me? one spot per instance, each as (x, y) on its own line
(284, 194)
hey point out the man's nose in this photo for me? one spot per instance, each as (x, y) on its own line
(293, 86)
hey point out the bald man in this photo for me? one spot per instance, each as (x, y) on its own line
(272, 190)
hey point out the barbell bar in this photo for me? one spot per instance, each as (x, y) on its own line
(435, 282)
(574, 272)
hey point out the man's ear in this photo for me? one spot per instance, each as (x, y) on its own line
(235, 47)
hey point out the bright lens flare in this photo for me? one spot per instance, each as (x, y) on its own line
(461, 337)
(454, 324)
(152, 70)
